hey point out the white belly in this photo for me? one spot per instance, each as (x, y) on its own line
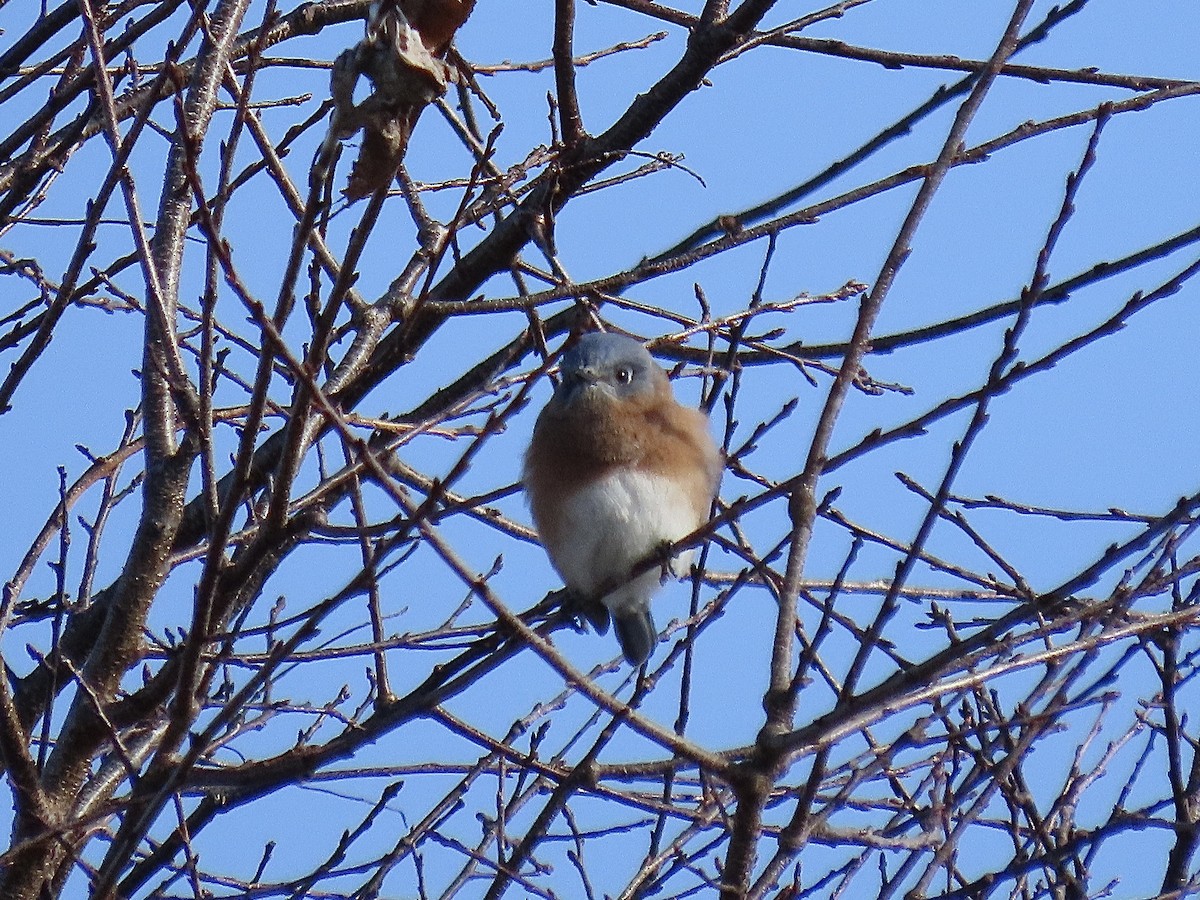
(618, 521)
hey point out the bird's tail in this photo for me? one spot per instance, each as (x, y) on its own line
(635, 633)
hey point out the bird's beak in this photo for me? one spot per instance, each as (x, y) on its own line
(577, 381)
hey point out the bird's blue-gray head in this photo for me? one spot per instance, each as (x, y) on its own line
(611, 364)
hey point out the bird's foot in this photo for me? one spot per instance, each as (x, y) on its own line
(583, 610)
(668, 561)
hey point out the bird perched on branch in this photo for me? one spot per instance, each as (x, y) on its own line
(616, 471)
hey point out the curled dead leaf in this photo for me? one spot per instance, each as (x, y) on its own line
(402, 54)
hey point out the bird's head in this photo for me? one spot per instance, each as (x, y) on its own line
(608, 366)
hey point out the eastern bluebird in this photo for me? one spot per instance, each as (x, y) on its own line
(616, 469)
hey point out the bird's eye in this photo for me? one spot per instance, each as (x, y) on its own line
(624, 375)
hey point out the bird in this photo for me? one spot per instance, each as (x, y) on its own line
(616, 470)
